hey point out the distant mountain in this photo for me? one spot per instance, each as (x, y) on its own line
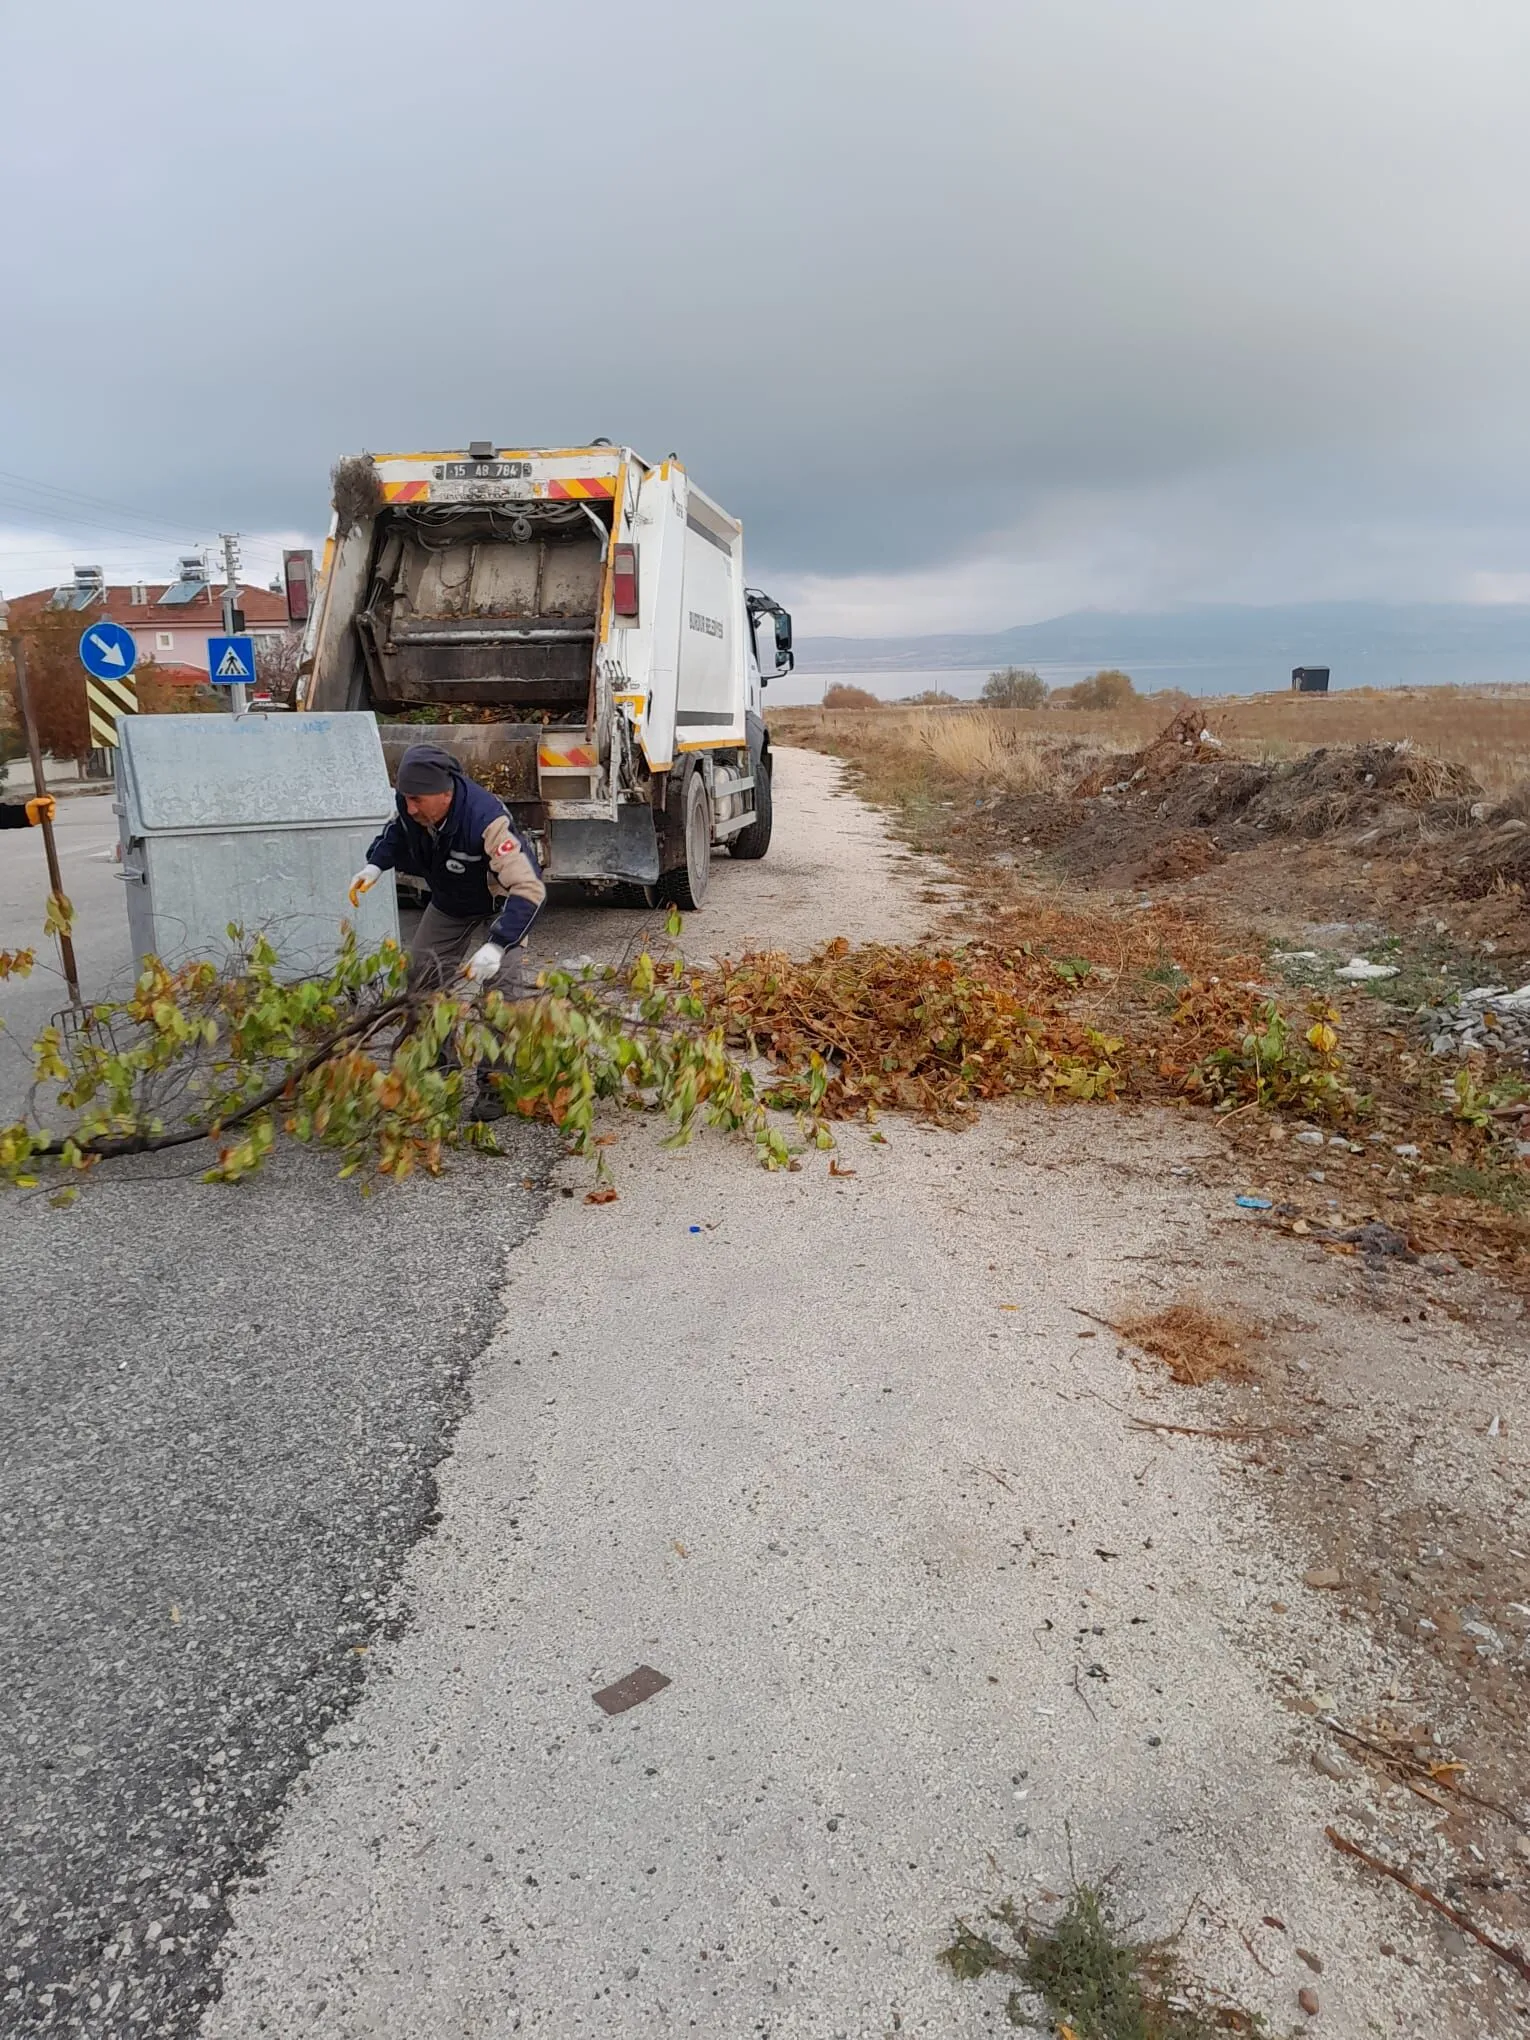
(1221, 649)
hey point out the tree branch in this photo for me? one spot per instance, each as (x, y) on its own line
(1512, 1956)
(110, 1147)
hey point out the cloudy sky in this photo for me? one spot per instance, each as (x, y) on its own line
(975, 311)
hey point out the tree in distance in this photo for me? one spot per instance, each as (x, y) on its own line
(1109, 688)
(55, 681)
(842, 695)
(1015, 687)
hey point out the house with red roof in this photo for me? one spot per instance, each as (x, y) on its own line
(171, 621)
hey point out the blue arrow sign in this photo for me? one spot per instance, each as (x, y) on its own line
(231, 661)
(107, 651)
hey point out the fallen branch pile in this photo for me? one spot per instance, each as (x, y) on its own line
(853, 1031)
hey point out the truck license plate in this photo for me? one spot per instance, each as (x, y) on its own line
(482, 471)
(481, 481)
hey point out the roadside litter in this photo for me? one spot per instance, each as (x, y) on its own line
(1360, 970)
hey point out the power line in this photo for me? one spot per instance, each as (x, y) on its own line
(74, 508)
(80, 498)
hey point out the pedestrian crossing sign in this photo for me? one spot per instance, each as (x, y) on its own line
(231, 661)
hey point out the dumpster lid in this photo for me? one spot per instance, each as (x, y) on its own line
(178, 774)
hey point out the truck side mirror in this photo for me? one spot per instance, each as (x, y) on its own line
(784, 658)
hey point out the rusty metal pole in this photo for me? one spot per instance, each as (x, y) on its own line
(50, 848)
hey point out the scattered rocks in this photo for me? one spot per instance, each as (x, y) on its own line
(1491, 1016)
(1307, 1998)
(1323, 1576)
(1482, 1632)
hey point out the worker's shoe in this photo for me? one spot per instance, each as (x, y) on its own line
(488, 1105)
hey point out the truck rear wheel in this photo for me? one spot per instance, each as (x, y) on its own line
(685, 885)
(755, 840)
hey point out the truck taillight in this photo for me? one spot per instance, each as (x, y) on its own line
(624, 581)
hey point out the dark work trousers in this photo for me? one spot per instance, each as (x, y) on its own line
(444, 942)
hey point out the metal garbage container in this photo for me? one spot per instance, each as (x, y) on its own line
(257, 820)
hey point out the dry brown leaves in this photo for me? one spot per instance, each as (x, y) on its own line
(854, 1029)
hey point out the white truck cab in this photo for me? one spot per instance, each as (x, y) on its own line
(581, 620)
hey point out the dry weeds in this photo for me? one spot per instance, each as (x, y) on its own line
(1196, 1344)
(1485, 729)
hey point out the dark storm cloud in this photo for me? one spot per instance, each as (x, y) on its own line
(890, 278)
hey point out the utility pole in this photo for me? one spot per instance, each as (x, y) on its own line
(50, 848)
(233, 623)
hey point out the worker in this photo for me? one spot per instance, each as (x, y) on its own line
(484, 882)
(26, 814)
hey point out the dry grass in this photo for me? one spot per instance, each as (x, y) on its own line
(1485, 729)
(984, 750)
(1195, 1343)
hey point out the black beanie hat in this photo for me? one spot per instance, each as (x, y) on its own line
(426, 768)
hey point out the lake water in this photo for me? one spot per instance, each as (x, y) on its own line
(1230, 676)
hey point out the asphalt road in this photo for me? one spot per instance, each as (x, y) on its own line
(221, 1411)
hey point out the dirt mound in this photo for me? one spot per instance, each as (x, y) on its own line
(1346, 785)
(1185, 741)
(1180, 806)
(1498, 860)
(1182, 856)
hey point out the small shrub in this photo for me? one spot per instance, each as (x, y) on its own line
(1276, 1066)
(1014, 687)
(1095, 1983)
(1107, 689)
(842, 695)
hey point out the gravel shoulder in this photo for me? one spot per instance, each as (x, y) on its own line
(839, 1456)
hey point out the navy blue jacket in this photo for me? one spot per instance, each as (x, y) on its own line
(473, 861)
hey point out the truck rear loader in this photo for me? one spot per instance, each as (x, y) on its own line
(593, 609)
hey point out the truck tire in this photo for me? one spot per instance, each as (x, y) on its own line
(685, 885)
(755, 840)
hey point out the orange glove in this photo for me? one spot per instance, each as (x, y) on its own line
(364, 881)
(42, 807)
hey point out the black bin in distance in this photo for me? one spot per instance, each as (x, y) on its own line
(1309, 679)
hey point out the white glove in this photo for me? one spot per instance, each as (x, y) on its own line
(483, 963)
(364, 881)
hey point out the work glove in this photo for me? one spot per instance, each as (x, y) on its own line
(42, 807)
(483, 963)
(364, 881)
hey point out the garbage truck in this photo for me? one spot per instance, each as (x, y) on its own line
(580, 621)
